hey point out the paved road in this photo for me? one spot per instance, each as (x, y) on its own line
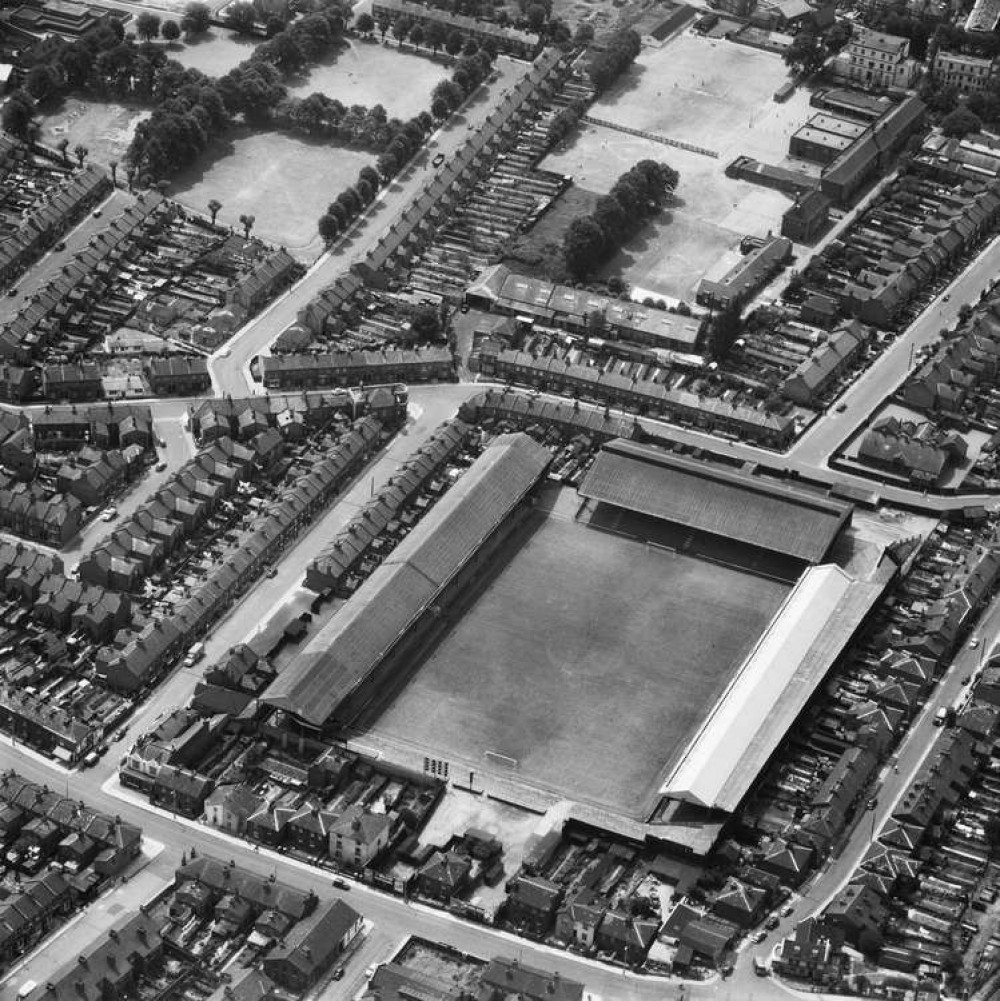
(229, 366)
(42, 273)
(885, 376)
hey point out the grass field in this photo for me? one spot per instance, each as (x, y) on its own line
(105, 128)
(369, 73)
(714, 94)
(589, 660)
(284, 181)
(215, 53)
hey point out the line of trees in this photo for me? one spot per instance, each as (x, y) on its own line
(637, 196)
(607, 64)
(398, 141)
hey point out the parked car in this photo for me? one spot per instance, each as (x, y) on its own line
(438, 160)
(772, 922)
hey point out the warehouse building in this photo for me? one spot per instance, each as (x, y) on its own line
(360, 649)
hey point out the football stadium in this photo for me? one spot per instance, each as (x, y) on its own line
(637, 648)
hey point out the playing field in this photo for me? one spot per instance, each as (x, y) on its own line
(215, 52)
(587, 661)
(285, 182)
(711, 93)
(103, 127)
(369, 73)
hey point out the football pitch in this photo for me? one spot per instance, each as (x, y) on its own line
(584, 665)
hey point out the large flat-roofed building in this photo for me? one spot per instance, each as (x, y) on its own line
(502, 291)
(339, 671)
(824, 137)
(716, 500)
(744, 279)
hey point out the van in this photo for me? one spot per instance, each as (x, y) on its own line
(941, 717)
(26, 988)
(760, 967)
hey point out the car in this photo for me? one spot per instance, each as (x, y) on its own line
(759, 936)
(438, 160)
(97, 213)
(273, 572)
(840, 408)
(772, 922)
(974, 643)
(465, 307)
(61, 245)
(338, 974)
(12, 292)
(340, 884)
(110, 514)
(946, 297)
(786, 910)
(966, 679)
(122, 733)
(160, 466)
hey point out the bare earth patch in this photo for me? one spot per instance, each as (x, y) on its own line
(105, 128)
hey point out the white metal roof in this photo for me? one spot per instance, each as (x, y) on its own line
(771, 688)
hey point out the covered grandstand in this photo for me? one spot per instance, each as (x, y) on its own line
(339, 670)
(717, 500)
(769, 691)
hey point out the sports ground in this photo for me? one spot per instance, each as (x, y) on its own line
(692, 92)
(588, 661)
(284, 181)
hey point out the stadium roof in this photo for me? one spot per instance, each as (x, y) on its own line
(816, 621)
(342, 655)
(715, 499)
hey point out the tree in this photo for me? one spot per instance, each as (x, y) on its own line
(365, 24)
(384, 23)
(584, 33)
(370, 174)
(81, 153)
(425, 323)
(470, 47)
(147, 26)
(724, 331)
(63, 146)
(42, 82)
(388, 164)
(401, 28)
(197, 19)
(960, 123)
(18, 114)
(171, 31)
(435, 36)
(247, 222)
(328, 227)
(213, 207)
(537, 16)
(583, 246)
(453, 43)
(416, 36)
(806, 53)
(241, 18)
(838, 35)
